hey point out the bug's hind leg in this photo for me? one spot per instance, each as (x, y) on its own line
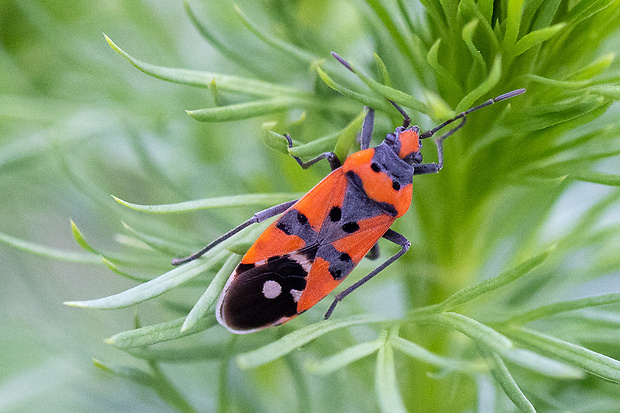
(258, 217)
(373, 254)
(331, 157)
(389, 235)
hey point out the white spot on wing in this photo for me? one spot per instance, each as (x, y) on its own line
(271, 289)
(296, 294)
(301, 260)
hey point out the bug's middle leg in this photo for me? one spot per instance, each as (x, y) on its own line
(389, 235)
(373, 254)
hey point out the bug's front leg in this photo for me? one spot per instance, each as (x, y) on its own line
(331, 157)
(389, 235)
(432, 168)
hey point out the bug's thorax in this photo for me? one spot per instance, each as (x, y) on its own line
(382, 175)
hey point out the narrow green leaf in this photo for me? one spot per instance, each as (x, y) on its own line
(211, 294)
(608, 91)
(420, 353)
(546, 14)
(480, 10)
(513, 22)
(486, 9)
(535, 38)
(475, 291)
(342, 359)
(179, 354)
(203, 79)
(505, 380)
(156, 243)
(314, 148)
(242, 246)
(38, 249)
(439, 108)
(484, 87)
(594, 69)
(592, 362)
(384, 76)
(391, 93)
(112, 267)
(365, 100)
(467, 34)
(158, 333)
(563, 306)
(566, 84)
(392, 27)
(541, 364)
(287, 48)
(473, 329)
(298, 338)
(444, 76)
(347, 136)
(273, 139)
(79, 238)
(246, 110)
(136, 375)
(386, 385)
(239, 58)
(154, 287)
(232, 201)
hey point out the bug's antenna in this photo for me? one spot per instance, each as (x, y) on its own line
(463, 115)
(346, 64)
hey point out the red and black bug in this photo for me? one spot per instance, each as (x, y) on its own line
(320, 238)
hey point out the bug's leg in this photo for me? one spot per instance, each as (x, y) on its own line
(331, 157)
(462, 115)
(406, 119)
(258, 217)
(373, 254)
(432, 168)
(367, 127)
(389, 235)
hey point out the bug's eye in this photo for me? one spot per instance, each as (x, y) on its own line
(417, 157)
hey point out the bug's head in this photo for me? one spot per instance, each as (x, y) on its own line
(406, 143)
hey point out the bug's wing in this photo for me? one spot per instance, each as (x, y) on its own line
(266, 286)
(335, 260)
(299, 226)
(266, 294)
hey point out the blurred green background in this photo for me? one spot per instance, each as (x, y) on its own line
(78, 123)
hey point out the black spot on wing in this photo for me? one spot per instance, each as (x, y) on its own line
(296, 223)
(282, 226)
(340, 263)
(303, 220)
(335, 214)
(350, 227)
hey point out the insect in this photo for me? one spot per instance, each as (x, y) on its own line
(319, 239)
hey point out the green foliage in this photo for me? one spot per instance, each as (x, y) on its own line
(499, 302)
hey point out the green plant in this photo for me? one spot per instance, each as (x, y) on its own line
(490, 295)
